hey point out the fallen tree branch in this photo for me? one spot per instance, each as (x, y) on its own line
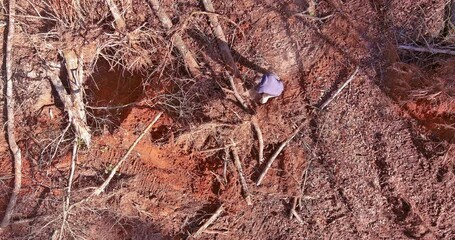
(188, 58)
(238, 165)
(276, 153)
(257, 128)
(221, 38)
(103, 186)
(118, 19)
(427, 49)
(236, 93)
(328, 101)
(209, 221)
(10, 125)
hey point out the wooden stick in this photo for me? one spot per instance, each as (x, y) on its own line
(10, 125)
(209, 221)
(238, 165)
(275, 155)
(188, 58)
(328, 101)
(236, 93)
(118, 19)
(427, 49)
(257, 128)
(115, 169)
(221, 38)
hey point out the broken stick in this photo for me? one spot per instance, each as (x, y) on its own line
(276, 153)
(209, 221)
(10, 125)
(328, 101)
(238, 165)
(103, 186)
(190, 61)
(257, 128)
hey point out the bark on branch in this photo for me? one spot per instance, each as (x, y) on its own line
(15, 150)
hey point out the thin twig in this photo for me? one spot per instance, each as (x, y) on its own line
(328, 101)
(209, 221)
(276, 153)
(257, 128)
(238, 165)
(117, 166)
(236, 93)
(15, 150)
(427, 49)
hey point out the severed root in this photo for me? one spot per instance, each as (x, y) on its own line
(188, 58)
(275, 155)
(238, 165)
(209, 221)
(103, 186)
(257, 128)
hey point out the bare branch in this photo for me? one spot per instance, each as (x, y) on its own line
(238, 165)
(276, 153)
(221, 38)
(66, 203)
(15, 150)
(209, 221)
(103, 186)
(326, 103)
(257, 128)
(236, 93)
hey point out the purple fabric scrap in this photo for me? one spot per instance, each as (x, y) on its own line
(270, 84)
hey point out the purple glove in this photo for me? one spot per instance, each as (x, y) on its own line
(271, 85)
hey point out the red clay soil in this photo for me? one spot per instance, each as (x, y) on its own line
(378, 163)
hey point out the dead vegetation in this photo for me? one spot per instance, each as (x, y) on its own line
(212, 161)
